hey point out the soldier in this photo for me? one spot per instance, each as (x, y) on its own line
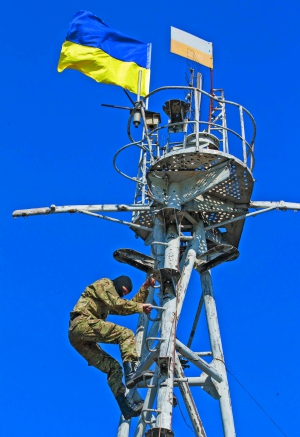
(88, 326)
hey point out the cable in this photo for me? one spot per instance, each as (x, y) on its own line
(257, 403)
(184, 417)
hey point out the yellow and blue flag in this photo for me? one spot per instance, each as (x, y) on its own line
(105, 54)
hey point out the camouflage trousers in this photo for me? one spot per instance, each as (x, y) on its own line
(84, 334)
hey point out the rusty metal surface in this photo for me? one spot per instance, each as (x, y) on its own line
(159, 432)
(53, 209)
(215, 256)
(135, 259)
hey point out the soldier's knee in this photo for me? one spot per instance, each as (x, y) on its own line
(115, 370)
(94, 361)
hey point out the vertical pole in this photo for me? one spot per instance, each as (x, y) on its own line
(142, 326)
(198, 96)
(224, 124)
(188, 400)
(139, 85)
(216, 347)
(211, 104)
(148, 403)
(243, 134)
(124, 427)
(168, 333)
(166, 362)
(196, 101)
(157, 251)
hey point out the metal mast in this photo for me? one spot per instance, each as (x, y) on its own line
(192, 196)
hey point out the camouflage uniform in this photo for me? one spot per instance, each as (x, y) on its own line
(88, 327)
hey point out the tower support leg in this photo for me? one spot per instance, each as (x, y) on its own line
(189, 400)
(166, 356)
(142, 326)
(217, 350)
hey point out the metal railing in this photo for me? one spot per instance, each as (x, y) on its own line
(151, 151)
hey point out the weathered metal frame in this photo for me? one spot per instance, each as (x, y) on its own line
(166, 236)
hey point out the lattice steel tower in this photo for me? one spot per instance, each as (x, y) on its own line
(193, 194)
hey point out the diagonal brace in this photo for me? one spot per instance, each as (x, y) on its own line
(197, 361)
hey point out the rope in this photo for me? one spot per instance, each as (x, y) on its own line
(244, 388)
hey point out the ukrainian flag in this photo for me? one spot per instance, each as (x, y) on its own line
(105, 54)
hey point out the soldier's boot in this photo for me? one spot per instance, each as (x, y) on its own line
(127, 409)
(131, 378)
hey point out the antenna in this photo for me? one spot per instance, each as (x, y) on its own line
(192, 197)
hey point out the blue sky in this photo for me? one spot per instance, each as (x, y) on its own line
(57, 146)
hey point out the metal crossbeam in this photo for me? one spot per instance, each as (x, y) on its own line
(53, 209)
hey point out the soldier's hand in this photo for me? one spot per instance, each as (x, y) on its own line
(147, 308)
(150, 282)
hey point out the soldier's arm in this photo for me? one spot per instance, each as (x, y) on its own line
(106, 292)
(141, 295)
(143, 292)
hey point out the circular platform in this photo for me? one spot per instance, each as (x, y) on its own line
(226, 200)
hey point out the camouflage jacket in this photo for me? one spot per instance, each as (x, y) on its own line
(101, 298)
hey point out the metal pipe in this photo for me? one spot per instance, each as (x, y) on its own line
(148, 404)
(224, 127)
(196, 104)
(53, 209)
(282, 205)
(172, 249)
(241, 217)
(157, 308)
(174, 196)
(166, 362)
(157, 252)
(188, 400)
(197, 361)
(146, 134)
(159, 237)
(138, 97)
(193, 381)
(124, 425)
(151, 334)
(243, 134)
(146, 361)
(142, 325)
(211, 97)
(201, 354)
(187, 268)
(166, 356)
(120, 222)
(216, 346)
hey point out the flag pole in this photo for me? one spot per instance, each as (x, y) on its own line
(137, 112)
(138, 97)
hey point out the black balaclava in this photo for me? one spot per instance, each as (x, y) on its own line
(121, 281)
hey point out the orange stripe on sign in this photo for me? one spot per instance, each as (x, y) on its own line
(189, 52)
